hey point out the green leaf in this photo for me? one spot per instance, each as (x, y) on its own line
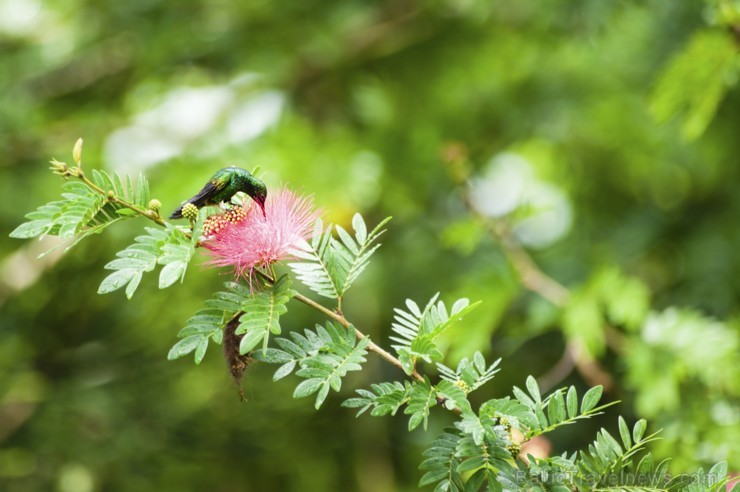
(284, 370)
(524, 398)
(639, 430)
(533, 389)
(624, 433)
(31, 229)
(455, 395)
(361, 248)
(556, 408)
(572, 401)
(308, 387)
(184, 347)
(176, 253)
(171, 273)
(718, 472)
(200, 350)
(321, 397)
(133, 284)
(116, 280)
(250, 340)
(591, 398)
(358, 224)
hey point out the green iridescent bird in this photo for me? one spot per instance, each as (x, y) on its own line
(223, 185)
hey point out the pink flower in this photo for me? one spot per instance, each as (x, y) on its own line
(245, 239)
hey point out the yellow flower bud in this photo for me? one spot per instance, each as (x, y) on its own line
(77, 152)
(190, 211)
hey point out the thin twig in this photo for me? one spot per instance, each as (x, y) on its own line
(339, 318)
(112, 197)
(537, 281)
(63, 170)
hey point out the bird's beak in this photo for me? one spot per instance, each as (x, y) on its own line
(261, 202)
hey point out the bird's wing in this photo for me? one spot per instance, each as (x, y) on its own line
(203, 197)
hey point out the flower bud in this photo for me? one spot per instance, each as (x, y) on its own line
(462, 385)
(190, 211)
(59, 167)
(216, 223)
(515, 449)
(154, 205)
(77, 152)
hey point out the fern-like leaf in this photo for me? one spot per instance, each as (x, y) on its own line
(83, 211)
(545, 415)
(441, 464)
(261, 316)
(176, 253)
(131, 263)
(383, 398)
(470, 375)
(353, 253)
(207, 324)
(170, 248)
(607, 456)
(415, 330)
(331, 265)
(324, 357)
(422, 397)
(318, 270)
(484, 459)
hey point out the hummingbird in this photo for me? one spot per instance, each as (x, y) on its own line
(223, 185)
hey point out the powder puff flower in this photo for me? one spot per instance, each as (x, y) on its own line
(245, 239)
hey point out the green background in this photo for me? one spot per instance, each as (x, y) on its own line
(624, 110)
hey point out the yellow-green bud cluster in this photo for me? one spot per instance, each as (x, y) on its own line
(462, 385)
(154, 205)
(190, 211)
(216, 223)
(515, 449)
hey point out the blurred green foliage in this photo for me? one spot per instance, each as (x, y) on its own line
(614, 120)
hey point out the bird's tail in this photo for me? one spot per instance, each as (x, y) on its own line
(177, 214)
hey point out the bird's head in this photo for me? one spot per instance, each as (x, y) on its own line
(259, 195)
